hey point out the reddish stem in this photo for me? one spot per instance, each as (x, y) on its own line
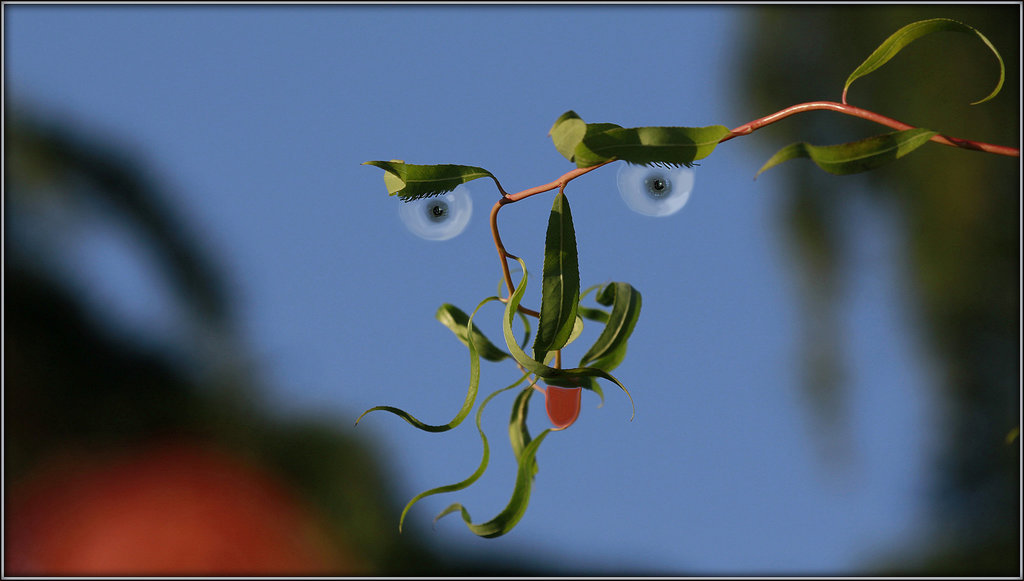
(749, 128)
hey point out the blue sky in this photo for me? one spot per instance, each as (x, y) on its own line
(257, 119)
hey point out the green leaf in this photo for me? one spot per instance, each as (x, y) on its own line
(560, 287)
(412, 182)
(567, 132)
(857, 156)
(516, 508)
(592, 314)
(650, 145)
(458, 322)
(467, 405)
(610, 347)
(912, 32)
(589, 144)
(476, 474)
(579, 376)
(518, 431)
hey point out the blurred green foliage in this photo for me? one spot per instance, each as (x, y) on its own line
(956, 213)
(75, 382)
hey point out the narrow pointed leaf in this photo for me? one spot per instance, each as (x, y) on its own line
(516, 508)
(458, 322)
(412, 182)
(653, 145)
(467, 405)
(610, 347)
(518, 431)
(560, 287)
(912, 32)
(857, 156)
(477, 473)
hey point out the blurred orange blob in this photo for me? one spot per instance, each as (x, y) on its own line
(176, 509)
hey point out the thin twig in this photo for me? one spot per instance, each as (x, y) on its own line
(748, 128)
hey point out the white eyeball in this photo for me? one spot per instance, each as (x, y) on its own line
(439, 217)
(653, 190)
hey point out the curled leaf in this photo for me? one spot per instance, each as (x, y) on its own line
(467, 405)
(458, 322)
(857, 156)
(610, 347)
(518, 431)
(516, 507)
(477, 473)
(412, 182)
(912, 32)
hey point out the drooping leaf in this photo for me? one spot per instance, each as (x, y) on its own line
(576, 377)
(458, 322)
(857, 156)
(518, 431)
(477, 473)
(650, 145)
(516, 508)
(610, 347)
(912, 32)
(467, 405)
(560, 287)
(412, 182)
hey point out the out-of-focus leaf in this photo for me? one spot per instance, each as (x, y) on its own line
(592, 314)
(412, 182)
(458, 322)
(476, 474)
(912, 32)
(467, 405)
(857, 156)
(560, 287)
(610, 347)
(513, 512)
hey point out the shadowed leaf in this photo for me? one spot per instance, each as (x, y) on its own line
(652, 145)
(912, 32)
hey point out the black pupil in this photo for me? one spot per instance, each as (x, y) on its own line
(437, 211)
(657, 186)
